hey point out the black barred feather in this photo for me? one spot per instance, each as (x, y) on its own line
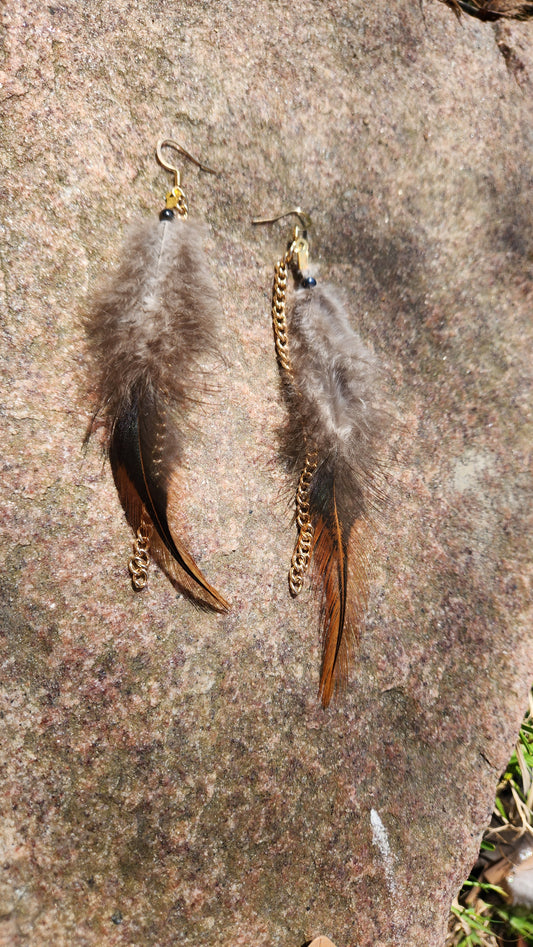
(493, 10)
(149, 330)
(334, 409)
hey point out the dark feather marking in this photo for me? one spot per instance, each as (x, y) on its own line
(132, 446)
(493, 10)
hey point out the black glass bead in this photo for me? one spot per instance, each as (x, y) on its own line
(308, 282)
(166, 214)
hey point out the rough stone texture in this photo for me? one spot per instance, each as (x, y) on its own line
(167, 775)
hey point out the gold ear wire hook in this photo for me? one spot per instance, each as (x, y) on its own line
(305, 220)
(300, 244)
(170, 143)
(175, 199)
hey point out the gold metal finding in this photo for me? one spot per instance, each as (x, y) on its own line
(305, 220)
(299, 248)
(304, 544)
(297, 254)
(279, 318)
(139, 562)
(175, 199)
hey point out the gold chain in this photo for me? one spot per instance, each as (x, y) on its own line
(279, 319)
(302, 550)
(139, 562)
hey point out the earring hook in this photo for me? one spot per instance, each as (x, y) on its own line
(304, 219)
(299, 248)
(170, 143)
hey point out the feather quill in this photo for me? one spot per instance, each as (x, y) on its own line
(334, 417)
(148, 332)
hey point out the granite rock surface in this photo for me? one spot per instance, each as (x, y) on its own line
(168, 775)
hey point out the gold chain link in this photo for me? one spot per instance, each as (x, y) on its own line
(139, 562)
(304, 543)
(279, 319)
(302, 550)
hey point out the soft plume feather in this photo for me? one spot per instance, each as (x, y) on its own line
(333, 409)
(148, 331)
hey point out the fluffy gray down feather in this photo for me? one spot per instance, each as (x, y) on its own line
(335, 399)
(156, 318)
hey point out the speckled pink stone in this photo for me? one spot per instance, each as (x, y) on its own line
(167, 776)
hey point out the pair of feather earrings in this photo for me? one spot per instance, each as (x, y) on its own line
(149, 330)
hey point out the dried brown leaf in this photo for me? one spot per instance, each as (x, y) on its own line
(496, 873)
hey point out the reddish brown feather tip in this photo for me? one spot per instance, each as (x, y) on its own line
(344, 585)
(193, 583)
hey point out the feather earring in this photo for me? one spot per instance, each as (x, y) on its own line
(331, 442)
(148, 331)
